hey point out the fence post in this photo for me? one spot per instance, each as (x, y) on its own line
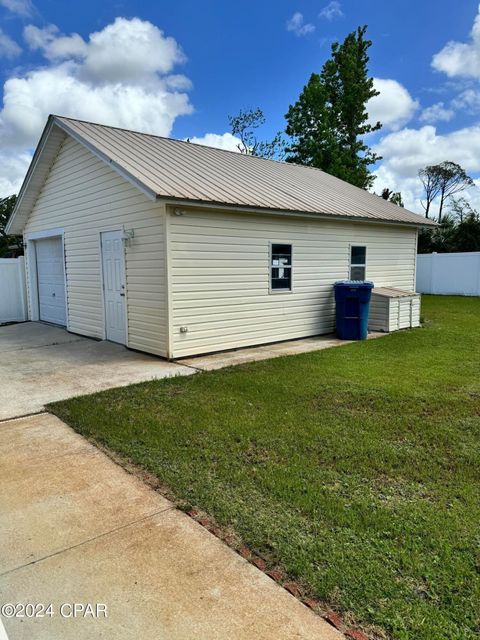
(22, 286)
(478, 275)
(433, 271)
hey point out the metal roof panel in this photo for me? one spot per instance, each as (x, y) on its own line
(180, 170)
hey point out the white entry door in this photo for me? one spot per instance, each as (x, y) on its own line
(114, 286)
(51, 280)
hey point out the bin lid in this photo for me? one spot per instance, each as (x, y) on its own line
(354, 284)
(391, 292)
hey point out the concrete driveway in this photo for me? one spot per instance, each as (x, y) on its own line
(77, 528)
(41, 363)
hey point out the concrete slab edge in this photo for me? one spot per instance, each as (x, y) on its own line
(103, 534)
(23, 417)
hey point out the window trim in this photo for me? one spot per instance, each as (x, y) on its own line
(350, 265)
(270, 267)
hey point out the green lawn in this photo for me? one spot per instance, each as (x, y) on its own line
(355, 469)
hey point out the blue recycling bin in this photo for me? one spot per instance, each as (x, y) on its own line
(352, 299)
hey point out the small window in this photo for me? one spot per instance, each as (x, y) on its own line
(281, 267)
(358, 262)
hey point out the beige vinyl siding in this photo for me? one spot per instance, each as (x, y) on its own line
(84, 196)
(219, 273)
(379, 314)
(416, 311)
(394, 313)
(403, 313)
(408, 312)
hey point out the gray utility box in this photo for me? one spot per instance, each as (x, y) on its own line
(393, 309)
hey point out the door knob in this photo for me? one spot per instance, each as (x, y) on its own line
(123, 295)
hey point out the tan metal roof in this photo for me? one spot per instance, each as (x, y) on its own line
(178, 170)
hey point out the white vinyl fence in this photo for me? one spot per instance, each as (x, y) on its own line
(449, 273)
(13, 295)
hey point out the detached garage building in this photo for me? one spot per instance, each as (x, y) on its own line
(178, 249)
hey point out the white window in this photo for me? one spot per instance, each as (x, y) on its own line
(281, 267)
(358, 262)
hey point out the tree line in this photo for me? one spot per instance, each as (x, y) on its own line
(326, 128)
(458, 224)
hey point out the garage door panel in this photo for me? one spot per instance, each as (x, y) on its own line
(51, 280)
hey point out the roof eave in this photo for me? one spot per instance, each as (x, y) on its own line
(225, 206)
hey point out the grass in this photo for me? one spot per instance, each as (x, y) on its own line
(356, 469)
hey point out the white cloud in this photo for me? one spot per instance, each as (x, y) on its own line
(437, 113)
(29, 100)
(394, 107)
(405, 152)
(13, 166)
(331, 11)
(8, 47)
(469, 100)
(23, 8)
(220, 141)
(411, 149)
(53, 45)
(124, 51)
(473, 195)
(118, 76)
(460, 58)
(298, 26)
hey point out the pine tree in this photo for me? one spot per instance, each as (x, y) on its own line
(329, 120)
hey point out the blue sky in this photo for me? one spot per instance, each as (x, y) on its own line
(181, 68)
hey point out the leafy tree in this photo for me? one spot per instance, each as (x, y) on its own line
(397, 199)
(244, 125)
(7, 242)
(457, 232)
(461, 209)
(443, 181)
(438, 239)
(466, 236)
(424, 244)
(392, 196)
(327, 123)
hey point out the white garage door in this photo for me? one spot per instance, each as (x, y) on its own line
(51, 281)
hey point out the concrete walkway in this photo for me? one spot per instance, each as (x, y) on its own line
(40, 363)
(265, 352)
(76, 528)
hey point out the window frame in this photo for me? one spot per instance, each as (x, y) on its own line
(350, 265)
(270, 267)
